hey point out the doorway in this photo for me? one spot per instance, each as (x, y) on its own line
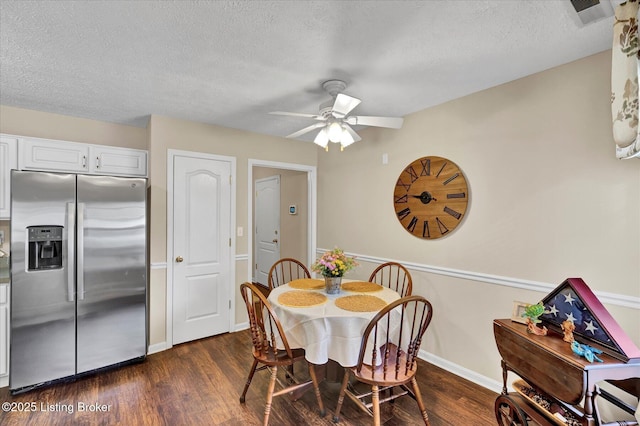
(297, 224)
(200, 245)
(267, 223)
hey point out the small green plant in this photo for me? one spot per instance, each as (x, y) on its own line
(533, 312)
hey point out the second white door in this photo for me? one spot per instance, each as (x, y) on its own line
(201, 247)
(267, 220)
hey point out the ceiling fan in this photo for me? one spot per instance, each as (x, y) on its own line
(334, 119)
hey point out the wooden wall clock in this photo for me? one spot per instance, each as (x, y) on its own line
(430, 197)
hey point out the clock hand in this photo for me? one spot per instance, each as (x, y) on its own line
(425, 197)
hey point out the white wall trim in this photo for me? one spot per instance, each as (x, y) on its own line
(461, 371)
(158, 347)
(242, 326)
(605, 297)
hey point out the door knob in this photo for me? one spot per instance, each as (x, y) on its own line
(179, 259)
(275, 240)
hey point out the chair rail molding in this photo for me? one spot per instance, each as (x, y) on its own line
(605, 297)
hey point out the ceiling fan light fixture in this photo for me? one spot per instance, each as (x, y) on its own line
(346, 139)
(322, 138)
(334, 131)
(334, 119)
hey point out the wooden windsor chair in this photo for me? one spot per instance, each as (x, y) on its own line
(285, 270)
(395, 276)
(392, 339)
(266, 335)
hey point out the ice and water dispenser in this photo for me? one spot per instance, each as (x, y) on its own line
(45, 247)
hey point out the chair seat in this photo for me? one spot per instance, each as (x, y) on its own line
(280, 357)
(385, 374)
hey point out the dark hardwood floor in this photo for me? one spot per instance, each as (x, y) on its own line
(199, 383)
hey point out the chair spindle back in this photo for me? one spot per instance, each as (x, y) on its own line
(285, 270)
(395, 276)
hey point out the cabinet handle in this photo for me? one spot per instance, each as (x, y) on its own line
(84, 161)
(97, 162)
(179, 259)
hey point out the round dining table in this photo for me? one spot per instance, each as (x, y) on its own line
(332, 329)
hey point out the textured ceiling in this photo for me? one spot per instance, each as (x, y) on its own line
(229, 63)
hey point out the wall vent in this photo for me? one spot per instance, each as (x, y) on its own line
(592, 10)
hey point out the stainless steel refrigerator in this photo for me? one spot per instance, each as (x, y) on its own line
(78, 275)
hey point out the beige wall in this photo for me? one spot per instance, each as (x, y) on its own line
(293, 228)
(37, 124)
(548, 201)
(168, 133)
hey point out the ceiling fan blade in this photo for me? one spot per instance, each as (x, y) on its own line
(356, 137)
(365, 120)
(343, 105)
(305, 130)
(298, 114)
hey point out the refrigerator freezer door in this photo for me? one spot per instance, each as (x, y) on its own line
(43, 325)
(112, 285)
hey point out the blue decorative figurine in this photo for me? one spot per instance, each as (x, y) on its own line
(586, 351)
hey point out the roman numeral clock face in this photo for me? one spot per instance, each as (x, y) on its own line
(430, 197)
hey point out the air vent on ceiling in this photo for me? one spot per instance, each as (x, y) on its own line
(592, 10)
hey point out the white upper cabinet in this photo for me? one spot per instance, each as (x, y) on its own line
(46, 154)
(118, 161)
(63, 156)
(8, 161)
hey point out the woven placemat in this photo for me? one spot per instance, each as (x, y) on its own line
(361, 286)
(307, 284)
(301, 299)
(360, 303)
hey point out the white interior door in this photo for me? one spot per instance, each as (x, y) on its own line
(267, 229)
(201, 247)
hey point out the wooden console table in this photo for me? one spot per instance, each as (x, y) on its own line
(547, 364)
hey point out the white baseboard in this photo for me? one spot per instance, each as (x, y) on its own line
(461, 371)
(241, 326)
(158, 347)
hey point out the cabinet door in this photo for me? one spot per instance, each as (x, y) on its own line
(4, 330)
(8, 161)
(46, 154)
(118, 161)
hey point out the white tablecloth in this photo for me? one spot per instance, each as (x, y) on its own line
(326, 331)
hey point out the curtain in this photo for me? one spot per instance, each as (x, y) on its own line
(624, 80)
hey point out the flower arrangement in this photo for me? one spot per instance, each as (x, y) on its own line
(334, 263)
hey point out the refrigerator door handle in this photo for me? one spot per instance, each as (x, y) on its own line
(71, 219)
(80, 243)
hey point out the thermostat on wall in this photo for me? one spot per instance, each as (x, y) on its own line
(293, 209)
